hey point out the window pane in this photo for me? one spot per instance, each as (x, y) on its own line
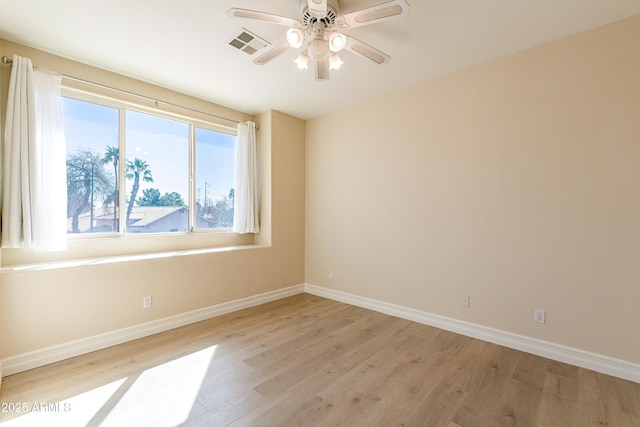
(91, 131)
(157, 174)
(215, 175)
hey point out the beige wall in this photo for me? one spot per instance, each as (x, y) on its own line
(44, 308)
(516, 182)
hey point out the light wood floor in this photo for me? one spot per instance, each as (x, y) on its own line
(310, 361)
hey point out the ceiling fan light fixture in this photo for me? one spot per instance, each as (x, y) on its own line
(320, 30)
(337, 41)
(302, 61)
(335, 62)
(295, 37)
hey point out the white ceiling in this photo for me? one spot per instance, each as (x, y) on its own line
(182, 44)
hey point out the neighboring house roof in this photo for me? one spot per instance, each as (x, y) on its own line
(84, 219)
(141, 216)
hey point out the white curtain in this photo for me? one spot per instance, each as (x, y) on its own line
(34, 185)
(246, 199)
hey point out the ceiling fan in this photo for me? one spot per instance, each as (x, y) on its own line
(321, 23)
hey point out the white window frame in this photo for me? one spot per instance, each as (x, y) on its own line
(122, 106)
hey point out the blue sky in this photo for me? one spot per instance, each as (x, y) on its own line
(162, 143)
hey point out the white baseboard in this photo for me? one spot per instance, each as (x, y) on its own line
(41, 357)
(584, 359)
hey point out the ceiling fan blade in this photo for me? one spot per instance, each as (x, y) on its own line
(318, 8)
(234, 12)
(322, 69)
(366, 51)
(271, 54)
(372, 15)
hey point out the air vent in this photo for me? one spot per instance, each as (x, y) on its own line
(247, 42)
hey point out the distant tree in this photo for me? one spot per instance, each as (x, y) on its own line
(218, 211)
(223, 210)
(137, 170)
(87, 181)
(172, 199)
(230, 205)
(152, 197)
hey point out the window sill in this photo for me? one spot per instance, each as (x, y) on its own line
(125, 247)
(55, 265)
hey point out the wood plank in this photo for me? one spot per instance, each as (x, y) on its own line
(522, 392)
(559, 401)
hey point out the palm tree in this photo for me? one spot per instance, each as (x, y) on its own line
(112, 155)
(136, 169)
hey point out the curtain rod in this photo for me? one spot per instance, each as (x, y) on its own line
(6, 60)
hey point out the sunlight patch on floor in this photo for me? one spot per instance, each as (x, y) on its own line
(163, 395)
(75, 411)
(160, 396)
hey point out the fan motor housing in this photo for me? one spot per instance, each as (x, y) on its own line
(308, 18)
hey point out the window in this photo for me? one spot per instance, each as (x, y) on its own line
(91, 131)
(137, 164)
(215, 166)
(157, 174)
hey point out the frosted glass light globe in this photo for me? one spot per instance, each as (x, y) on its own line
(302, 61)
(295, 36)
(318, 49)
(335, 62)
(337, 41)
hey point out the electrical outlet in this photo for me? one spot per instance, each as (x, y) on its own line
(539, 316)
(146, 302)
(330, 274)
(465, 301)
